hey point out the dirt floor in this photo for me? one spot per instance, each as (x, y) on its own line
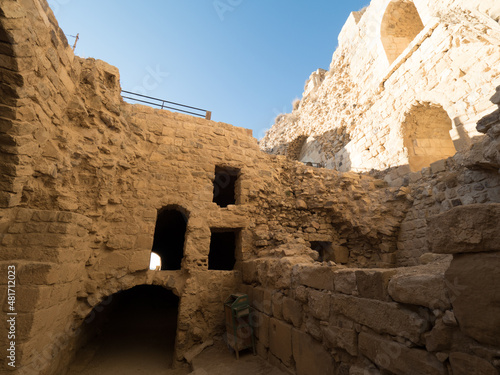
(218, 360)
(118, 356)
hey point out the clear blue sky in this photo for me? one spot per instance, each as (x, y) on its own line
(245, 60)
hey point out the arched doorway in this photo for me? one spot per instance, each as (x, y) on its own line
(131, 332)
(169, 237)
(400, 25)
(426, 132)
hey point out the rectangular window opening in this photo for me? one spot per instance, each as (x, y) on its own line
(225, 186)
(223, 243)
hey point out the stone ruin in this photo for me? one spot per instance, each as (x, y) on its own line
(385, 262)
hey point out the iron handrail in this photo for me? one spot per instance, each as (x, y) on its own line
(207, 114)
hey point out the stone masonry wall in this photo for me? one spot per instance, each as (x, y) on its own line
(358, 214)
(85, 174)
(355, 116)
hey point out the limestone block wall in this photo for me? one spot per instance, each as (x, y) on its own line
(48, 250)
(359, 215)
(428, 319)
(439, 189)
(369, 98)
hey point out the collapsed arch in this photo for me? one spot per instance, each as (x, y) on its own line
(400, 25)
(294, 148)
(426, 135)
(169, 237)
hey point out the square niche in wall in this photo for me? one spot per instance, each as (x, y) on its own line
(325, 250)
(226, 186)
(223, 243)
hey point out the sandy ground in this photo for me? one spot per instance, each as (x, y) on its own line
(218, 360)
(125, 357)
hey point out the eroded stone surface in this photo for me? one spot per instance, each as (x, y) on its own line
(473, 228)
(474, 287)
(462, 364)
(398, 358)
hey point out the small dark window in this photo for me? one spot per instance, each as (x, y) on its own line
(222, 250)
(169, 238)
(324, 249)
(225, 186)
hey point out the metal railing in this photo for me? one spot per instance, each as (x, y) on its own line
(315, 165)
(163, 104)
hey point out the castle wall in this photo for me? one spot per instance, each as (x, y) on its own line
(321, 319)
(84, 176)
(355, 116)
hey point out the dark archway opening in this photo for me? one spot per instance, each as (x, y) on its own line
(131, 332)
(222, 254)
(225, 186)
(169, 237)
(324, 249)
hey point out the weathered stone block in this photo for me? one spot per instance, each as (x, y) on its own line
(344, 338)
(292, 311)
(310, 356)
(465, 364)
(473, 283)
(319, 304)
(313, 327)
(280, 340)
(139, 261)
(345, 282)
(420, 289)
(262, 300)
(383, 317)
(261, 327)
(397, 358)
(340, 254)
(120, 242)
(440, 338)
(315, 276)
(277, 305)
(373, 283)
(465, 229)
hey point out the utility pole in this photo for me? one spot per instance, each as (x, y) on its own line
(76, 41)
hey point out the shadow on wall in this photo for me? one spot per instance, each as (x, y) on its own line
(327, 149)
(294, 148)
(484, 154)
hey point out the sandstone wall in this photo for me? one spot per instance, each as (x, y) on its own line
(435, 318)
